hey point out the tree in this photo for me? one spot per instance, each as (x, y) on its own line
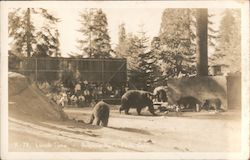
(178, 48)
(228, 48)
(95, 41)
(143, 61)
(149, 64)
(28, 38)
(136, 48)
(211, 33)
(122, 42)
(22, 30)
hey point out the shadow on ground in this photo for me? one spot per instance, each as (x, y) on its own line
(132, 130)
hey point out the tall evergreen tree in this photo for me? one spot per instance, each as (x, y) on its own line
(122, 41)
(146, 69)
(228, 48)
(178, 42)
(136, 46)
(86, 43)
(27, 38)
(149, 64)
(95, 41)
(22, 30)
(212, 33)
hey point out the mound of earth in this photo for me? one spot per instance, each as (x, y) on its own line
(27, 102)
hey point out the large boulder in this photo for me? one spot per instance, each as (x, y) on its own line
(27, 102)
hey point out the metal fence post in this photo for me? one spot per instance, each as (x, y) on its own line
(102, 70)
(36, 69)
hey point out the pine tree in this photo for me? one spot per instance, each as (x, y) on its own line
(178, 42)
(228, 48)
(22, 30)
(86, 30)
(28, 39)
(122, 42)
(132, 51)
(149, 64)
(212, 33)
(95, 40)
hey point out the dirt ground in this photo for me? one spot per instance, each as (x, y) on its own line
(37, 124)
(188, 132)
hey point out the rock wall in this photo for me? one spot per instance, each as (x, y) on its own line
(199, 87)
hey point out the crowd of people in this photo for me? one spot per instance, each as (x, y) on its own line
(83, 93)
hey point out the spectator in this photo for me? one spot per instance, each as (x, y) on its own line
(95, 93)
(85, 84)
(77, 89)
(87, 96)
(73, 99)
(63, 99)
(93, 103)
(104, 89)
(81, 100)
(117, 93)
(126, 88)
(99, 90)
(109, 89)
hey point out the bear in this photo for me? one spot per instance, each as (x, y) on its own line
(188, 102)
(137, 99)
(161, 96)
(100, 114)
(212, 103)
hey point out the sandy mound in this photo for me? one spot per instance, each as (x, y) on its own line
(27, 102)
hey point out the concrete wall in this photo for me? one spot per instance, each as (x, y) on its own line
(234, 92)
(199, 87)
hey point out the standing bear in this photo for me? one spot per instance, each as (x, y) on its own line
(100, 114)
(137, 99)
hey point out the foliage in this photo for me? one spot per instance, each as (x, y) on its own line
(22, 30)
(228, 50)
(142, 60)
(149, 66)
(122, 42)
(95, 41)
(29, 40)
(178, 48)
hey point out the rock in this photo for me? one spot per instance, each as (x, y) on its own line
(149, 141)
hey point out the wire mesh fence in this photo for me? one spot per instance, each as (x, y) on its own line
(90, 69)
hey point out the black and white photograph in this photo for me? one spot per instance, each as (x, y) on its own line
(125, 80)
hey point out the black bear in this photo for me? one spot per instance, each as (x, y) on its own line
(137, 99)
(100, 114)
(188, 102)
(162, 96)
(213, 103)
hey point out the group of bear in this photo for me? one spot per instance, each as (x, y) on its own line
(140, 99)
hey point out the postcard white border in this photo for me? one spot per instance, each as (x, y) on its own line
(244, 154)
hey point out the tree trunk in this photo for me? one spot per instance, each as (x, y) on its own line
(202, 22)
(28, 34)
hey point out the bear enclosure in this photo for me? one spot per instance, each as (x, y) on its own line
(89, 69)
